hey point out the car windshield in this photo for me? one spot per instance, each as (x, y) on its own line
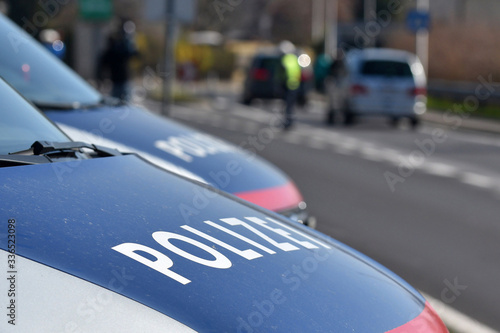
(37, 74)
(268, 63)
(21, 124)
(386, 68)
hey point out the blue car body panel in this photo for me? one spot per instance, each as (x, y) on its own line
(124, 124)
(47, 82)
(70, 216)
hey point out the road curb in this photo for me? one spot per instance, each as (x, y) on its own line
(457, 122)
(456, 321)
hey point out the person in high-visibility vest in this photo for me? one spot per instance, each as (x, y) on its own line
(292, 77)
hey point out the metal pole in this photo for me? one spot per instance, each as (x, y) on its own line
(370, 8)
(422, 47)
(370, 14)
(169, 73)
(331, 27)
(318, 20)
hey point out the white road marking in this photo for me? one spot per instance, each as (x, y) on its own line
(233, 124)
(344, 150)
(440, 169)
(371, 154)
(251, 128)
(347, 144)
(477, 180)
(293, 138)
(216, 121)
(316, 143)
(255, 115)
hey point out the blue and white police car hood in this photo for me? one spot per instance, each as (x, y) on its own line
(184, 151)
(118, 245)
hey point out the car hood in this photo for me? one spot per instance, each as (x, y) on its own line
(182, 150)
(197, 255)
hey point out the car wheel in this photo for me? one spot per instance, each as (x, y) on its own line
(247, 100)
(394, 122)
(301, 101)
(414, 122)
(330, 117)
(349, 117)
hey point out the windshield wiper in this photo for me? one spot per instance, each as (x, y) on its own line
(57, 106)
(47, 147)
(104, 101)
(48, 152)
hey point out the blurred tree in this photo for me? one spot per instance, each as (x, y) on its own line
(359, 8)
(233, 19)
(292, 21)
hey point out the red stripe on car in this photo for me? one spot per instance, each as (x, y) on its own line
(427, 321)
(275, 198)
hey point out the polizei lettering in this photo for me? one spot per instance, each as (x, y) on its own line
(269, 238)
(187, 147)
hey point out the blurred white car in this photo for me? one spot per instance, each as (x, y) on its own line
(378, 82)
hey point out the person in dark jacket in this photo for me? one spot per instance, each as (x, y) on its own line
(336, 72)
(115, 60)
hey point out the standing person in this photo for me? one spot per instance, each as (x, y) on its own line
(292, 76)
(336, 72)
(321, 69)
(115, 58)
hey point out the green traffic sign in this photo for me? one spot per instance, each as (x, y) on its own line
(96, 10)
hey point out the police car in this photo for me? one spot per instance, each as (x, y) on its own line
(96, 241)
(82, 113)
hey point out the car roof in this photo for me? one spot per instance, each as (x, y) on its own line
(383, 54)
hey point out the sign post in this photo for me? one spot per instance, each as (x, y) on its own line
(89, 36)
(170, 41)
(318, 20)
(173, 13)
(331, 25)
(418, 21)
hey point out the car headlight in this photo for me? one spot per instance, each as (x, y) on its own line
(300, 214)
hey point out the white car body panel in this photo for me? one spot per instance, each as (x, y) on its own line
(42, 293)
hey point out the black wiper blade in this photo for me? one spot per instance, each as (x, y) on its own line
(112, 101)
(104, 101)
(57, 106)
(45, 147)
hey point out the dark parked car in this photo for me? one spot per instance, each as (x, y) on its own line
(265, 80)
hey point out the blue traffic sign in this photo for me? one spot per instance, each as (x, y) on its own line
(418, 20)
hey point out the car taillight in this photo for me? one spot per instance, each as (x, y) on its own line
(260, 74)
(418, 91)
(305, 76)
(358, 89)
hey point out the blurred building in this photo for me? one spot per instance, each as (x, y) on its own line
(466, 11)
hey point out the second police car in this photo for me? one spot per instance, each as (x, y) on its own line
(96, 241)
(84, 114)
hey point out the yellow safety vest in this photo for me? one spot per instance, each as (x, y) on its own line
(293, 72)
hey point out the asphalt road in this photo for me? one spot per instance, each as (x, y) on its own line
(424, 203)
